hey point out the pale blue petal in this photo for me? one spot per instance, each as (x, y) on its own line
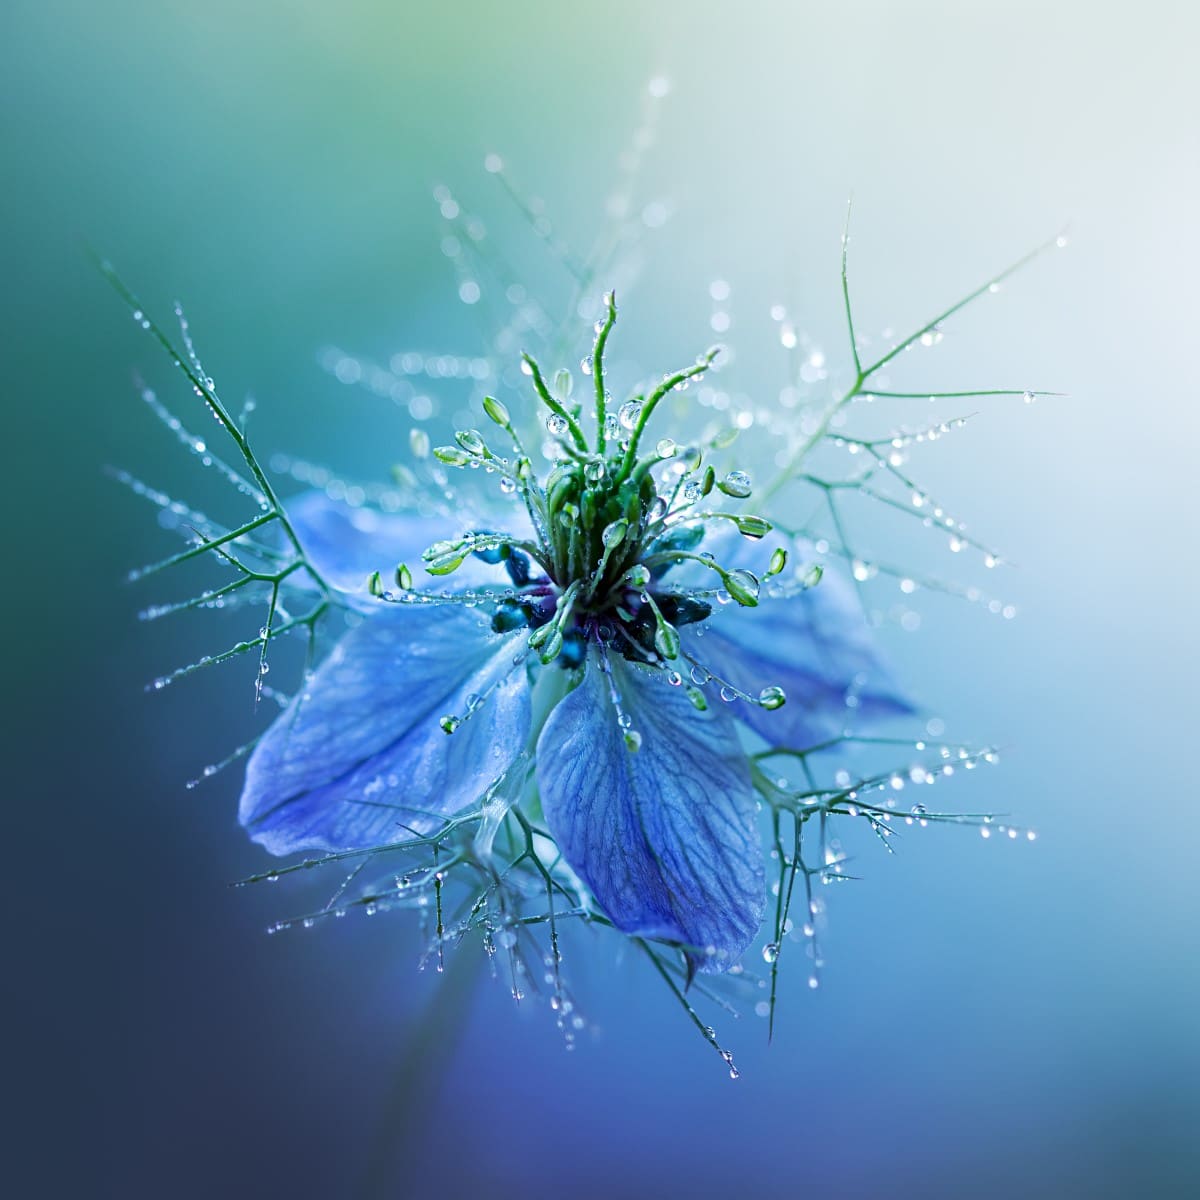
(359, 758)
(817, 646)
(665, 837)
(346, 544)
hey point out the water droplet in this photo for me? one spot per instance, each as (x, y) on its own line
(743, 586)
(629, 413)
(771, 952)
(614, 533)
(556, 424)
(736, 484)
(470, 440)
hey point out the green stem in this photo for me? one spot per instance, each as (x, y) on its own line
(862, 374)
(215, 406)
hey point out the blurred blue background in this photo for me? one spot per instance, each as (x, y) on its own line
(996, 1019)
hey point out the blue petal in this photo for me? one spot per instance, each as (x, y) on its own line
(346, 544)
(817, 646)
(665, 837)
(359, 758)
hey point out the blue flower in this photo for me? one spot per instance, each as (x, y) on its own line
(625, 644)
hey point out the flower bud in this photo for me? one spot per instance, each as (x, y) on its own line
(452, 456)
(742, 586)
(496, 411)
(753, 527)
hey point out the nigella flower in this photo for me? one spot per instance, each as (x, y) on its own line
(633, 631)
(591, 695)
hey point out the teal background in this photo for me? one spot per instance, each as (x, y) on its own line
(995, 1020)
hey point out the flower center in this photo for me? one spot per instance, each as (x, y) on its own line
(609, 521)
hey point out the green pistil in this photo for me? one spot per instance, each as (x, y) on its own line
(652, 401)
(569, 424)
(598, 371)
(741, 585)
